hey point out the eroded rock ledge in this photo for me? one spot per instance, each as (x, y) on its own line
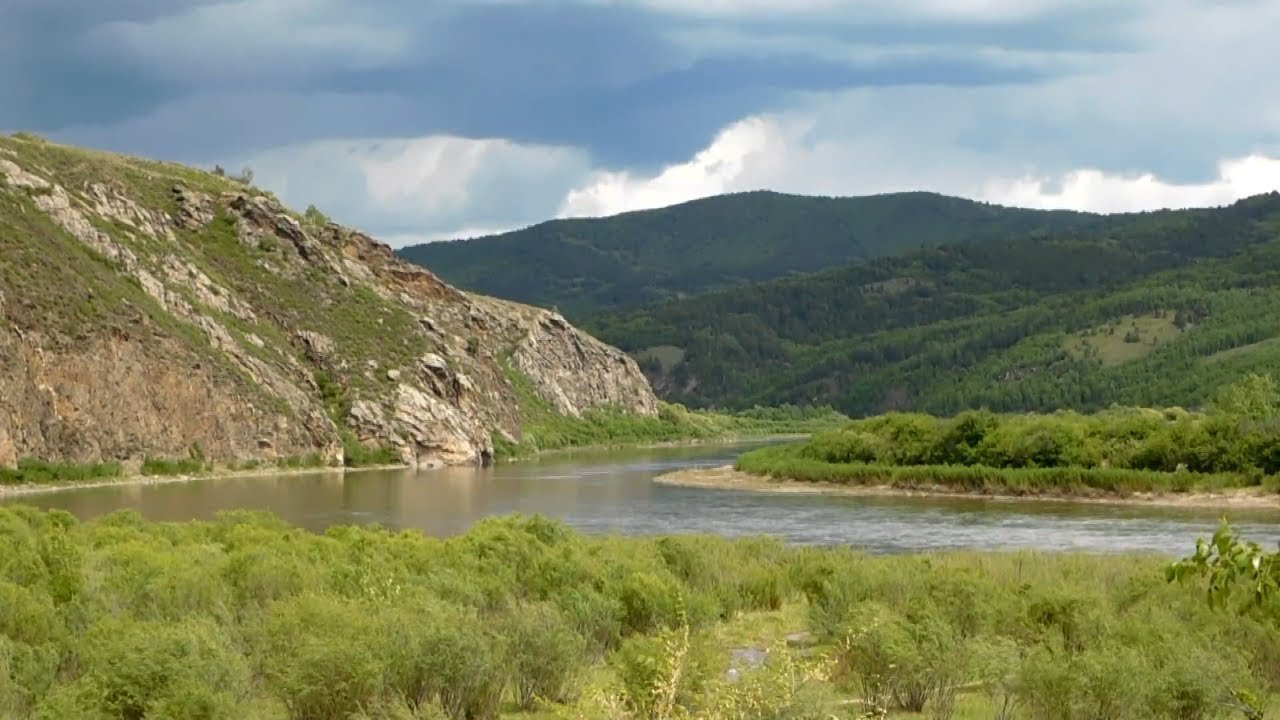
(163, 312)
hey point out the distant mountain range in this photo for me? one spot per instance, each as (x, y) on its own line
(907, 301)
(584, 266)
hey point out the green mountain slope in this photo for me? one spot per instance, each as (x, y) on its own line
(584, 265)
(1155, 308)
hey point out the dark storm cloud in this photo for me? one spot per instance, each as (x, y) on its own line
(192, 79)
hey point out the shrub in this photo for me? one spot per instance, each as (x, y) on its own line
(545, 657)
(902, 662)
(323, 657)
(134, 669)
(661, 672)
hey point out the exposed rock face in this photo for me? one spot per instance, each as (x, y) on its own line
(205, 317)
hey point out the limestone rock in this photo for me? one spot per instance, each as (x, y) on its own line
(435, 363)
(195, 210)
(317, 347)
(225, 348)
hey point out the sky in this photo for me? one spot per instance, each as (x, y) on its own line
(419, 120)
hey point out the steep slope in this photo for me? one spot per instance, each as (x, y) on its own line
(583, 266)
(1157, 308)
(153, 311)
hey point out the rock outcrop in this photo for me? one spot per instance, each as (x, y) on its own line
(152, 310)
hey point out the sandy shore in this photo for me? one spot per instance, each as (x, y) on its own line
(11, 491)
(727, 478)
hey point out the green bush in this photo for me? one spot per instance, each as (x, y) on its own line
(324, 657)
(357, 454)
(901, 662)
(546, 657)
(664, 671)
(136, 669)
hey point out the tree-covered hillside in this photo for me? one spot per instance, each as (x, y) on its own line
(1155, 308)
(582, 266)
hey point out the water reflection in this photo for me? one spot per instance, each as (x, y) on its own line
(614, 492)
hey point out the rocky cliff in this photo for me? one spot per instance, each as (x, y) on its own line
(152, 310)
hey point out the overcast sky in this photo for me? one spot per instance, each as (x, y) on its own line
(422, 119)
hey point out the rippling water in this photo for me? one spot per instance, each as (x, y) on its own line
(603, 492)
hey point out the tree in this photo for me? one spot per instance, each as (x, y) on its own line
(1232, 564)
(1255, 397)
(314, 216)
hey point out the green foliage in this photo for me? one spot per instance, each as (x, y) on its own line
(358, 454)
(293, 462)
(1015, 324)
(30, 470)
(183, 466)
(1232, 565)
(314, 217)
(583, 266)
(545, 654)
(1255, 397)
(137, 669)
(661, 672)
(245, 616)
(1117, 451)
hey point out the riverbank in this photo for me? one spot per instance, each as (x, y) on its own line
(39, 488)
(729, 478)
(12, 491)
(655, 445)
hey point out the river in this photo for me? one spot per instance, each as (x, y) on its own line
(602, 492)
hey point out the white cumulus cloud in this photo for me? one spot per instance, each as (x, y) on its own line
(419, 189)
(1098, 191)
(783, 153)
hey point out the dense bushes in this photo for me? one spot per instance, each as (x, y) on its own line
(244, 617)
(1121, 450)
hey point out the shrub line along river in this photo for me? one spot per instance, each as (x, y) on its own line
(614, 491)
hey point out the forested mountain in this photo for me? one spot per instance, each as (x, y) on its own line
(1153, 308)
(583, 266)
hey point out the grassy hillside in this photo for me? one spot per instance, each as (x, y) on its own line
(1150, 309)
(581, 266)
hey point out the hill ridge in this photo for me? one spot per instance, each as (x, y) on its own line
(583, 265)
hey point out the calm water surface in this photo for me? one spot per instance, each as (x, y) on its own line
(613, 492)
